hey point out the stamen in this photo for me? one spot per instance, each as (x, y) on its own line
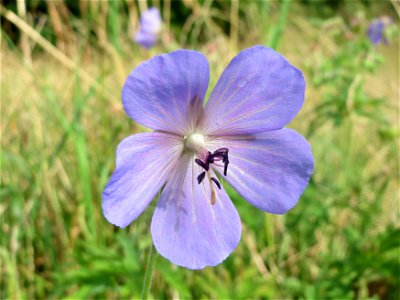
(212, 189)
(201, 177)
(208, 158)
(218, 155)
(200, 163)
(226, 166)
(222, 154)
(221, 151)
(216, 182)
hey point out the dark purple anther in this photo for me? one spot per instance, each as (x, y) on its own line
(226, 162)
(216, 182)
(201, 177)
(201, 163)
(218, 155)
(221, 151)
(209, 159)
(222, 154)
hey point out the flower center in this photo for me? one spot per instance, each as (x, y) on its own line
(195, 142)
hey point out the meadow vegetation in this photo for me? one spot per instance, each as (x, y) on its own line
(62, 68)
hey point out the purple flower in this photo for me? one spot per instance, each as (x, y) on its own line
(238, 134)
(376, 30)
(150, 28)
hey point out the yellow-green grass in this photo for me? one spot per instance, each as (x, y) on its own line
(58, 139)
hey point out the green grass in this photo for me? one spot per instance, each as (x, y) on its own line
(59, 134)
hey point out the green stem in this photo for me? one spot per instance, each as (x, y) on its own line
(148, 277)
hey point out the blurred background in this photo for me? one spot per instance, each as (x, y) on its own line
(63, 64)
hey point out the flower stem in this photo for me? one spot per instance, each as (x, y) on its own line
(148, 277)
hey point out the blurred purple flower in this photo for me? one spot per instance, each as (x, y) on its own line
(150, 28)
(238, 134)
(376, 30)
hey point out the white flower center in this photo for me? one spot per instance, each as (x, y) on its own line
(195, 142)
